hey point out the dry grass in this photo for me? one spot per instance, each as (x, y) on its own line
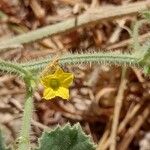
(94, 93)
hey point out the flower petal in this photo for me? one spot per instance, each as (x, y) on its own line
(66, 79)
(49, 93)
(63, 93)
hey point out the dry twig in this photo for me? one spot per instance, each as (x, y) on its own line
(129, 135)
(129, 116)
(117, 109)
(91, 16)
(128, 41)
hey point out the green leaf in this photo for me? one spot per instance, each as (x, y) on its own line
(66, 138)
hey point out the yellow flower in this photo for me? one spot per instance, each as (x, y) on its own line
(57, 84)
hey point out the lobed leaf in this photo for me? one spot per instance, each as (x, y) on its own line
(66, 138)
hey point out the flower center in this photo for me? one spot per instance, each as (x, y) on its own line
(54, 84)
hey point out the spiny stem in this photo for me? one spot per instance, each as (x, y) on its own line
(24, 140)
(116, 58)
(13, 68)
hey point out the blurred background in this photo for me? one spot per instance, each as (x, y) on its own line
(93, 93)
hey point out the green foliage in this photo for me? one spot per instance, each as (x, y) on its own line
(2, 144)
(146, 59)
(66, 138)
(2, 147)
(142, 49)
(146, 14)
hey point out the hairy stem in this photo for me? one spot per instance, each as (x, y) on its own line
(110, 58)
(24, 140)
(12, 68)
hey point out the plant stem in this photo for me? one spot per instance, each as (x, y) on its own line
(92, 16)
(24, 140)
(12, 68)
(109, 58)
